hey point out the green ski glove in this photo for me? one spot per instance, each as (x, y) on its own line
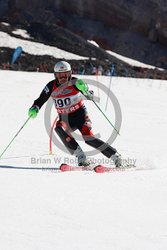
(82, 87)
(33, 111)
(89, 94)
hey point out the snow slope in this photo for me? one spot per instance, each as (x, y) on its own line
(125, 59)
(79, 210)
(35, 48)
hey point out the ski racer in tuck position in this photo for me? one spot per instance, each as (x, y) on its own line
(72, 115)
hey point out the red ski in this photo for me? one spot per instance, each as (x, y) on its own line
(66, 167)
(103, 169)
(97, 169)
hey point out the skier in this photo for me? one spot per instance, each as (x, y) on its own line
(72, 114)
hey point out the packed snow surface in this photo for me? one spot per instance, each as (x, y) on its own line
(84, 210)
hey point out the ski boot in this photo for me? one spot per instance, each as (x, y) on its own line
(82, 160)
(116, 158)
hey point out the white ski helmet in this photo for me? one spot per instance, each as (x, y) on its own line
(62, 66)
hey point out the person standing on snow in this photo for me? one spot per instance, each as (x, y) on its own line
(72, 114)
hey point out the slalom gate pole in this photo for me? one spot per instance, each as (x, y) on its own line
(111, 74)
(14, 137)
(97, 84)
(51, 134)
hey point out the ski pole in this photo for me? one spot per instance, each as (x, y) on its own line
(15, 136)
(106, 117)
(82, 86)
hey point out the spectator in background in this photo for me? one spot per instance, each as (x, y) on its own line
(82, 70)
(94, 70)
(107, 72)
(100, 70)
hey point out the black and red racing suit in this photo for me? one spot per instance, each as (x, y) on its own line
(72, 115)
